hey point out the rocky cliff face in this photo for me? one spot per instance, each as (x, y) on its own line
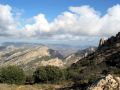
(107, 83)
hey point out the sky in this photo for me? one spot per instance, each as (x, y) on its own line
(71, 22)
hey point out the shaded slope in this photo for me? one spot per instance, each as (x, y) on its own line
(105, 60)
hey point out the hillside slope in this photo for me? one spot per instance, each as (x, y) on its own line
(73, 58)
(108, 53)
(30, 57)
(105, 60)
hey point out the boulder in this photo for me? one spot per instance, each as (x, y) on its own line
(108, 83)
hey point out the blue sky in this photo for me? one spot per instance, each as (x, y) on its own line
(59, 21)
(52, 8)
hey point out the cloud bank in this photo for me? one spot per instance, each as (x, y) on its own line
(74, 24)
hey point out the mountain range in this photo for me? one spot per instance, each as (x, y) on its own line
(92, 68)
(32, 55)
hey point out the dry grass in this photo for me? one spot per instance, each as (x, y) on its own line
(34, 87)
(29, 87)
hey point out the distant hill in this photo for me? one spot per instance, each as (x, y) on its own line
(30, 57)
(64, 49)
(74, 57)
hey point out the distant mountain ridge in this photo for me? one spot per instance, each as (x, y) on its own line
(30, 57)
(64, 49)
(74, 57)
(33, 55)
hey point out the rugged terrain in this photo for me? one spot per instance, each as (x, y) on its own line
(73, 58)
(30, 57)
(105, 60)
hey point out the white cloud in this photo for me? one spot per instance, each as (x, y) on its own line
(77, 22)
(110, 23)
(7, 22)
(38, 28)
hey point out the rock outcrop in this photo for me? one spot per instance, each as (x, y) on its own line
(112, 40)
(53, 62)
(105, 60)
(108, 83)
(102, 42)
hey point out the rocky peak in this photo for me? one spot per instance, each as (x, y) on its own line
(108, 83)
(113, 40)
(102, 42)
(118, 35)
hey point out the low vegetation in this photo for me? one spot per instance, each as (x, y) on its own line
(48, 74)
(12, 75)
(43, 74)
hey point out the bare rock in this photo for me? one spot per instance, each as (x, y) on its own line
(102, 42)
(52, 62)
(108, 83)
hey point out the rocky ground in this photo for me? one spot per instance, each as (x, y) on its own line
(107, 83)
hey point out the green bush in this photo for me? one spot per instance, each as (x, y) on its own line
(72, 74)
(53, 73)
(29, 79)
(12, 75)
(40, 75)
(48, 74)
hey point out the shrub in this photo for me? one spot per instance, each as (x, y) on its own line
(12, 75)
(53, 73)
(29, 79)
(72, 74)
(48, 74)
(40, 75)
